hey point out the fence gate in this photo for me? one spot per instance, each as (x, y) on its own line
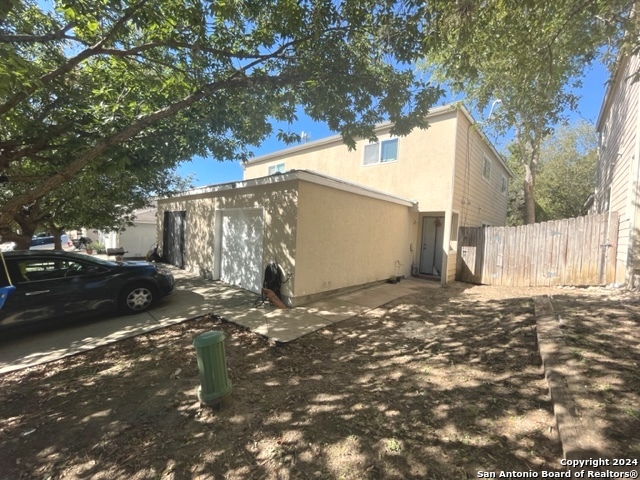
(574, 251)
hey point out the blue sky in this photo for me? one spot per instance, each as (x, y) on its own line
(208, 171)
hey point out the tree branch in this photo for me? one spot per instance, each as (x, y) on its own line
(71, 64)
(17, 148)
(235, 80)
(173, 44)
(21, 38)
(26, 178)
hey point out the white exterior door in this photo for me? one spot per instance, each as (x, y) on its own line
(241, 259)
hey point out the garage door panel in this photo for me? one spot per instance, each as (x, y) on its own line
(241, 259)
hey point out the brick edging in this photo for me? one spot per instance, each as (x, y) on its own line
(578, 434)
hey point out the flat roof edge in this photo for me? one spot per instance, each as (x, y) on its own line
(278, 178)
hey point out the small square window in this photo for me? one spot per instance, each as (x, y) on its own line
(486, 168)
(371, 154)
(279, 168)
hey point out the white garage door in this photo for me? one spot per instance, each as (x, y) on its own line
(241, 259)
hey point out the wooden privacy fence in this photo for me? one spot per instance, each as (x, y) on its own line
(574, 251)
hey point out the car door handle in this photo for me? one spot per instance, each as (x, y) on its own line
(39, 292)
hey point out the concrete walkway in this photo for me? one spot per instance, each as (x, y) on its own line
(195, 297)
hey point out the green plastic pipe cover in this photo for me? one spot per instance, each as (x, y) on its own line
(215, 385)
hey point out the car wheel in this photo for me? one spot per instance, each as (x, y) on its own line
(137, 299)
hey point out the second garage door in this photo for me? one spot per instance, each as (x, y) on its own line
(241, 259)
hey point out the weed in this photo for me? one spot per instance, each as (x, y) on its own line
(393, 445)
(577, 355)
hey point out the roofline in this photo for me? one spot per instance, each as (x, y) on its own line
(608, 95)
(379, 127)
(335, 139)
(339, 184)
(304, 175)
(486, 140)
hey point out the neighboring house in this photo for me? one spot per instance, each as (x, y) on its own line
(335, 218)
(617, 170)
(137, 239)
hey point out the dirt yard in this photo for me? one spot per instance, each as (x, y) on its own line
(603, 337)
(428, 387)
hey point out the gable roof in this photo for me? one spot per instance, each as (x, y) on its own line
(612, 85)
(467, 114)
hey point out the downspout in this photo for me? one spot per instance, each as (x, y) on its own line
(632, 200)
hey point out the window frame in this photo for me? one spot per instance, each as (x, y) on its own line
(486, 161)
(277, 168)
(504, 188)
(379, 149)
(26, 266)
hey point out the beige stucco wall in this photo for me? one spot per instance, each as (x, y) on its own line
(478, 200)
(346, 239)
(439, 167)
(617, 174)
(326, 238)
(279, 203)
(422, 173)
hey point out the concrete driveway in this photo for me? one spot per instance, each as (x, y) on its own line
(193, 298)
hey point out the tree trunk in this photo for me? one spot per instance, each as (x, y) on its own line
(529, 150)
(23, 242)
(529, 197)
(27, 219)
(56, 232)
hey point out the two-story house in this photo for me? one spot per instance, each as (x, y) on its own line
(335, 218)
(618, 170)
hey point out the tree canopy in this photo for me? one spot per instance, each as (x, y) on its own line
(565, 179)
(139, 85)
(531, 55)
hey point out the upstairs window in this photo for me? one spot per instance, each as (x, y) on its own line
(604, 135)
(486, 168)
(381, 152)
(279, 168)
(505, 186)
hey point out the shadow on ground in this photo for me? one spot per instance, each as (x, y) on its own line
(438, 385)
(602, 334)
